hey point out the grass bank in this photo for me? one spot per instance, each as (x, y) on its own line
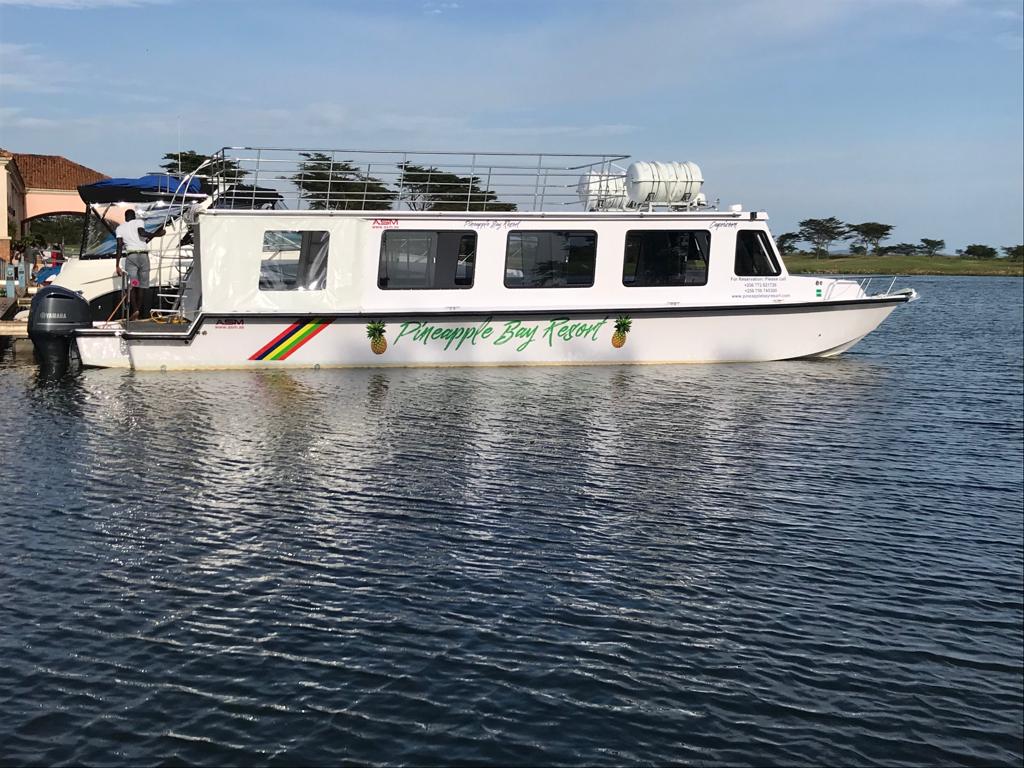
(902, 265)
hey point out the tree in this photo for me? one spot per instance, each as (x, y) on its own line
(62, 229)
(931, 247)
(430, 189)
(1014, 252)
(870, 233)
(977, 251)
(905, 249)
(188, 161)
(821, 233)
(786, 243)
(31, 240)
(329, 184)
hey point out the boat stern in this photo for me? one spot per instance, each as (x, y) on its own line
(103, 346)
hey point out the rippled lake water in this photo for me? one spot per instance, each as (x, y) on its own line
(800, 562)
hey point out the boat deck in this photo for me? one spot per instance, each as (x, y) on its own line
(156, 327)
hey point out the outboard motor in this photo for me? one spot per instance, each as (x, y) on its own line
(55, 315)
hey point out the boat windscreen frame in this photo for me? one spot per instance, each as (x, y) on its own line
(91, 212)
(148, 217)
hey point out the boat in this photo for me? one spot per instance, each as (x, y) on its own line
(92, 272)
(393, 258)
(159, 200)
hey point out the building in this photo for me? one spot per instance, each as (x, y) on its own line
(37, 185)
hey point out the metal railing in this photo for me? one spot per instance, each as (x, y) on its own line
(382, 180)
(174, 264)
(866, 280)
(858, 286)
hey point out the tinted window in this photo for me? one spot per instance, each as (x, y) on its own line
(426, 259)
(666, 257)
(550, 259)
(754, 254)
(294, 260)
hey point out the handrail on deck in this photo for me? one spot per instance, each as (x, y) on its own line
(349, 179)
(866, 280)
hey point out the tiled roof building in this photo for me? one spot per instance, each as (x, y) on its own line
(37, 185)
(54, 172)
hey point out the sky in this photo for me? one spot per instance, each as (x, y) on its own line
(906, 112)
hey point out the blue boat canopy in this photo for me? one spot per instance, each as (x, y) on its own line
(145, 189)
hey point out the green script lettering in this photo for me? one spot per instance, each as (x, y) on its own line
(563, 329)
(407, 327)
(457, 335)
(514, 329)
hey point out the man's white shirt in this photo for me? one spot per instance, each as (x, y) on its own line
(128, 233)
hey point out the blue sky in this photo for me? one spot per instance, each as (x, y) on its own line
(907, 112)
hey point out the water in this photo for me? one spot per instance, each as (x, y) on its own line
(802, 563)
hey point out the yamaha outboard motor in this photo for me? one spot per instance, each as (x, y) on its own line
(55, 315)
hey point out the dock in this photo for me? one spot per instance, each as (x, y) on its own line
(13, 329)
(8, 308)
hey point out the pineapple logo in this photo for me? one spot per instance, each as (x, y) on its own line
(375, 332)
(622, 326)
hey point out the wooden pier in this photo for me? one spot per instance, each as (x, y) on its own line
(13, 329)
(8, 308)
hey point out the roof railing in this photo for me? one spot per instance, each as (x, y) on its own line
(381, 180)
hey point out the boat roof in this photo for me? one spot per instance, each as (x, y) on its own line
(145, 189)
(383, 217)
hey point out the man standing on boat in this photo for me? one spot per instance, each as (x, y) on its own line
(133, 242)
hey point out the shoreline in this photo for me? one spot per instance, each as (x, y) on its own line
(903, 265)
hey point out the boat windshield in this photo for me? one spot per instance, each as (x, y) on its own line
(99, 241)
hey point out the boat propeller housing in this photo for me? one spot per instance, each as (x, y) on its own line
(55, 315)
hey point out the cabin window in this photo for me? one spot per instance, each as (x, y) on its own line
(294, 260)
(426, 259)
(550, 259)
(666, 257)
(754, 254)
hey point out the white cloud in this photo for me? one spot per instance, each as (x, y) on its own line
(437, 8)
(19, 118)
(24, 68)
(15, 117)
(581, 131)
(1012, 41)
(79, 5)
(1011, 14)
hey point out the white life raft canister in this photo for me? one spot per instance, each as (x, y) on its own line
(670, 183)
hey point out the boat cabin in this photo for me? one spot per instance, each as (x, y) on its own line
(343, 262)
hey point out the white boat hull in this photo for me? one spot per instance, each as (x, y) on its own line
(726, 334)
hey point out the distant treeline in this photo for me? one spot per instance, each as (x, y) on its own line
(866, 238)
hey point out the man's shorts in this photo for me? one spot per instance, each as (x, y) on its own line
(136, 267)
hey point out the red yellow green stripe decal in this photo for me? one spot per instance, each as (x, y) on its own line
(293, 338)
